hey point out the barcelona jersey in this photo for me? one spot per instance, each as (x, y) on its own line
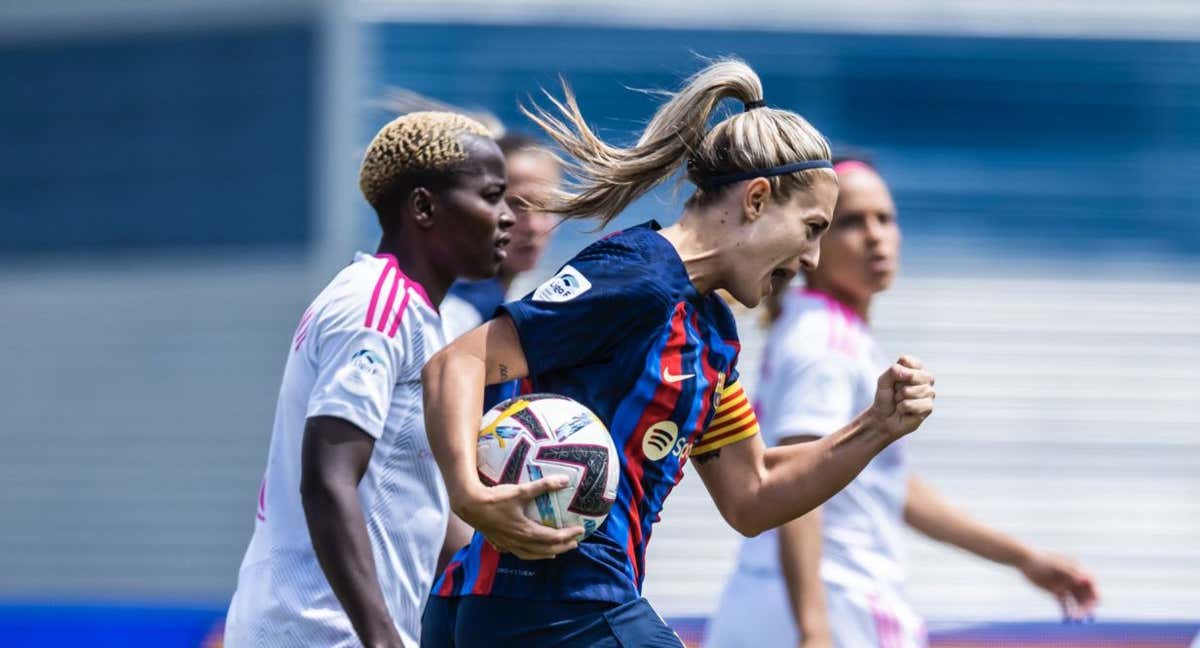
(622, 330)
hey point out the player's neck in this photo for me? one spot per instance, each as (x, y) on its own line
(505, 278)
(416, 266)
(701, 251)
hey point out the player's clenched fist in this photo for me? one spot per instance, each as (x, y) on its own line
(904, 396)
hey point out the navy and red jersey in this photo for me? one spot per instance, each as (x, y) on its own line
(622, 330)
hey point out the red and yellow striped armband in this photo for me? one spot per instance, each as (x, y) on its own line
(733, 421)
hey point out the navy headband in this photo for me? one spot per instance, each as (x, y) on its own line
(783, 169)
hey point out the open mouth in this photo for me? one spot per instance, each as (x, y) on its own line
(778, 280)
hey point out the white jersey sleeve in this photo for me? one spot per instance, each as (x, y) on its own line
(357, 368)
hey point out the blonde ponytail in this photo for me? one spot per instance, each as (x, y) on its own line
(609, 178)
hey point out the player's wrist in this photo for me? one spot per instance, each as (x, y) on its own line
(873, 424)
(378, 629)
(1024, 558)
(466, 495)
(814, 629)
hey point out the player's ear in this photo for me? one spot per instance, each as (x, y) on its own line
(420, 203)
(754, 200)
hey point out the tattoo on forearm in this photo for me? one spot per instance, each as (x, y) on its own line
(503, 371)
(707, 457)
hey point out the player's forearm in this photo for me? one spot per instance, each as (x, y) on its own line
(928, 512)
(800, 562)
(338, 531)
(453, 384)
(798, 478)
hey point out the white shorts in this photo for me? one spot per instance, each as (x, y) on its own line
(754, 612)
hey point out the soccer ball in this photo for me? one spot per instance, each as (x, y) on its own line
(538, 435)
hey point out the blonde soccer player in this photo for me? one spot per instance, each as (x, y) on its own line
(632, 328)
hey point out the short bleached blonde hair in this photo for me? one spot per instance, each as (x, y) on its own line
(420, 141)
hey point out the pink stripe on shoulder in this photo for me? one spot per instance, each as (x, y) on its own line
(400, 313)
(414, 285)
(261, 513)
(390, 267)
(302, 329)
(388, 313)
(401, 285)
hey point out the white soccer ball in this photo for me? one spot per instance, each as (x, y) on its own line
(538, 435)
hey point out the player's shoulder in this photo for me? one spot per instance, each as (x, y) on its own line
(631, 265)
(374, 293)
(813, 326)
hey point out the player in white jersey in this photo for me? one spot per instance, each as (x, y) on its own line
(352, 510)
(835, 577)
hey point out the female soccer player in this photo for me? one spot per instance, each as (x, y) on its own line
(352, 510)
(630, 327)
(834, 577)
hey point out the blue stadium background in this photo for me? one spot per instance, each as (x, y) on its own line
(1067, 146)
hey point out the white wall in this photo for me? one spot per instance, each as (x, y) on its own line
(137, 402)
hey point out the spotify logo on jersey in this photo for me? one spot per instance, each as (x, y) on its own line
(659, 440)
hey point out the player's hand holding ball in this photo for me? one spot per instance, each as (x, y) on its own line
(498, 512)
(904, 397)
(548, 474)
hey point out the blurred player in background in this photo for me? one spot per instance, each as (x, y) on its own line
(352, 510)
(835, 576)
(632, 329)
(533, 172)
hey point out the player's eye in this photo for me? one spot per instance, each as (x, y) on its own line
(815, 229)
(848, 221)
(494, 194)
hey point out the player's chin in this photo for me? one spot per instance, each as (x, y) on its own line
(749, 299)
(483, 270)
(881, 281)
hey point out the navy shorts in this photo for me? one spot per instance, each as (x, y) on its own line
(479, 621)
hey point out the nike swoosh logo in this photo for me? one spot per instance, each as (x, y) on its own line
(669, 378)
